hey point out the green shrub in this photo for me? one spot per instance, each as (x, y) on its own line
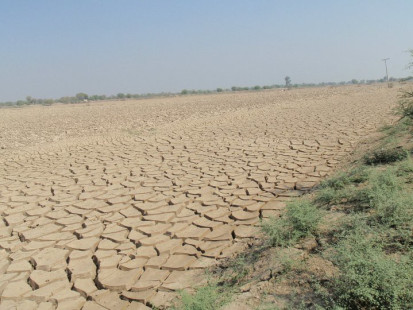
(370, 279)
(359, 175)
(385, 156)
(328, 195)
(341, 187)
(396, 211)
(208, 297)
(337, 182)
(241, 266)
(401, 127)
(405, 168)
(405, 108)
(348, 195)
(391, 203)
(381, 192)
(300, 220)
(389, 206)
(382, 185)
(279, 232)
(396, 239)
(303, 216)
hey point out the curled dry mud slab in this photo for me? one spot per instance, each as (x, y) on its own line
(118, 205)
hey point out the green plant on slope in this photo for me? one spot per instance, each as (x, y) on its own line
(391, 203)
(342, 187)
(301, 218)
(385, 156)
(405, 167)
(405, 108)
(405, 170)
(369, 278)
(209, 297)
(382, 184)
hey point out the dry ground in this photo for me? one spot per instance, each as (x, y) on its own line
(122, 203)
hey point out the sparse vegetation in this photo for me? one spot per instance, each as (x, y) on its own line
(369, 278)
(370, 246)
(406, 104)
(209, 297)
(300, 219)
(343, 188)
(385, 156)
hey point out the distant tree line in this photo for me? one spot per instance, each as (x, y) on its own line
(83, 97)
(80, 97)
(289, 84)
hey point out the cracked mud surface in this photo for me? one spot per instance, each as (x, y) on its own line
(117, 205)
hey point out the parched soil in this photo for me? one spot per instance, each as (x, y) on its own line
(116, 205)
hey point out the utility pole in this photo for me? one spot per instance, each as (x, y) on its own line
(387, 75)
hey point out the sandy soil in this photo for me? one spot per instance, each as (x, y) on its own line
(116, 205)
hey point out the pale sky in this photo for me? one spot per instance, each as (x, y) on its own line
(50, 49)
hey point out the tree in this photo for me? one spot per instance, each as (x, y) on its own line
(406, 101)
(47, 102)
(287, 81)
(219, 90)
(30, 100)
(354, 81)
(120, 95)
(410, 64)
(82, 96)
(21, 102)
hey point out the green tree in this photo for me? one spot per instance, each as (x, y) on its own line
(406, 101)
(120, 96)
(82, 96)
(287, 81)
(21, 102)
(219, 90)
(30, 100)
(410, 64)
(48, 101)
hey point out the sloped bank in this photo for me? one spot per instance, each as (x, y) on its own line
(347, 245)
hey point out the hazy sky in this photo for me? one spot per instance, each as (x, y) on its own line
(57, 48)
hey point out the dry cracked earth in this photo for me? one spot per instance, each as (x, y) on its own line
(117, 205)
